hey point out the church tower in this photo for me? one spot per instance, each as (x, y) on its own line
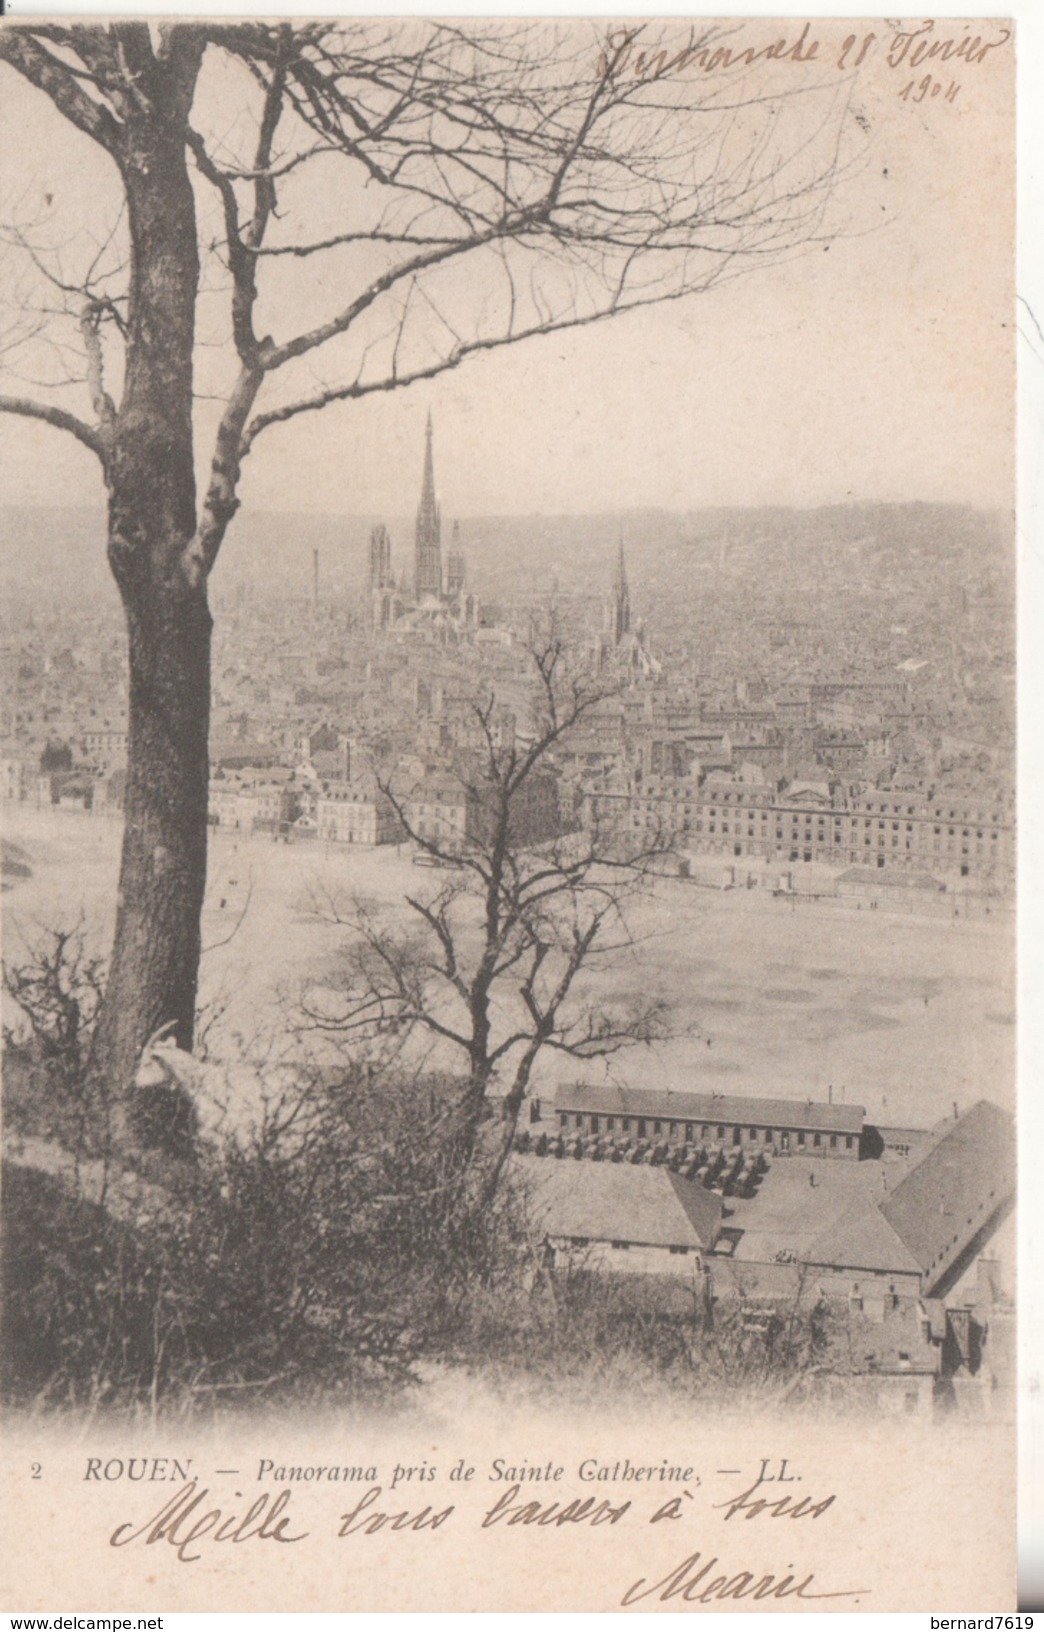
(618, 605)
(382, 587)
(380, 559)
(428, 556)
(456, 566)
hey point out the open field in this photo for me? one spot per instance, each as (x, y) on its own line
(903, 1014)
(899, 1013)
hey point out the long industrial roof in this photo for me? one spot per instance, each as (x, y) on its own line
(802, 1114)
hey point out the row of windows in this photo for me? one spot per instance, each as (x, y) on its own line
(651, 805)
(625, 1246)
(938, 814)
(944, 1252)
(721, 1130)
(835, 841)
(883, 809)
(834, 847)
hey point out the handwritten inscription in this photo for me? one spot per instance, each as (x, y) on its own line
(759, 1499)
(911, 47)
(585, 1510)
(182, 1526)
(694, 1581)
(190, 1520)
(625, 55)
(366, 1518)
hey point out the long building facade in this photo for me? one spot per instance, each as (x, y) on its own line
(805, 821)
(783, 1126)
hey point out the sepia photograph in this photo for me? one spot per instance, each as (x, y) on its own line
(509, 812)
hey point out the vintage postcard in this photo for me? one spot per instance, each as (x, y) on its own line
(508, 755)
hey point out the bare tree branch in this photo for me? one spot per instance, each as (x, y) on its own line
(61, 84)
(89, 435)
(492, 963)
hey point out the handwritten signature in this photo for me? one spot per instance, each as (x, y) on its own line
(689, 1581)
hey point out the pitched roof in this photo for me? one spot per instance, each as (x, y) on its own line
(958, 1183)
(614, 1100)
(863, 1240)
(613, 1201)
(956, 1186)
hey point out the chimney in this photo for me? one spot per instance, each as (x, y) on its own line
(315, 580)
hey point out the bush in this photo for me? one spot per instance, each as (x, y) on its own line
(56, 995)
(322, 1253)
(80, 1297)
(163, 1118)
(601, 1333)
(326, 1250)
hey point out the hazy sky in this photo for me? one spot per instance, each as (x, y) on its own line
(879, 369)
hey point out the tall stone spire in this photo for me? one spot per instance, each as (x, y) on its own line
(456, 565)
(428, 555)
(618, 603)
(380, 558)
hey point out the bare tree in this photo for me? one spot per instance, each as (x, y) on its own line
(387, 201)
(496, 963)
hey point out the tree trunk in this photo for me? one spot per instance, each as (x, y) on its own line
(155, 959)
(152, 521)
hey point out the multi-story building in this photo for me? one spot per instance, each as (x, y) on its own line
(357, 813)
(104, 751)
(439, 810)
(17, 777)
(452, 811)
(247, 805)
(805, 821)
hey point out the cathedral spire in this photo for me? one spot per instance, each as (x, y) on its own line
(428, 555)
(617, 620)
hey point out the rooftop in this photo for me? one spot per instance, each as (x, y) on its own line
(946, 1197)
(952, 1186)
(613, 1100)
(605, 1201)
(864, 1240)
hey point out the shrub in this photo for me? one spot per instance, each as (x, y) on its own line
(324, 1251)
(56, 994)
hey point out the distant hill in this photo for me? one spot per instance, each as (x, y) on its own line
(62, 551)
